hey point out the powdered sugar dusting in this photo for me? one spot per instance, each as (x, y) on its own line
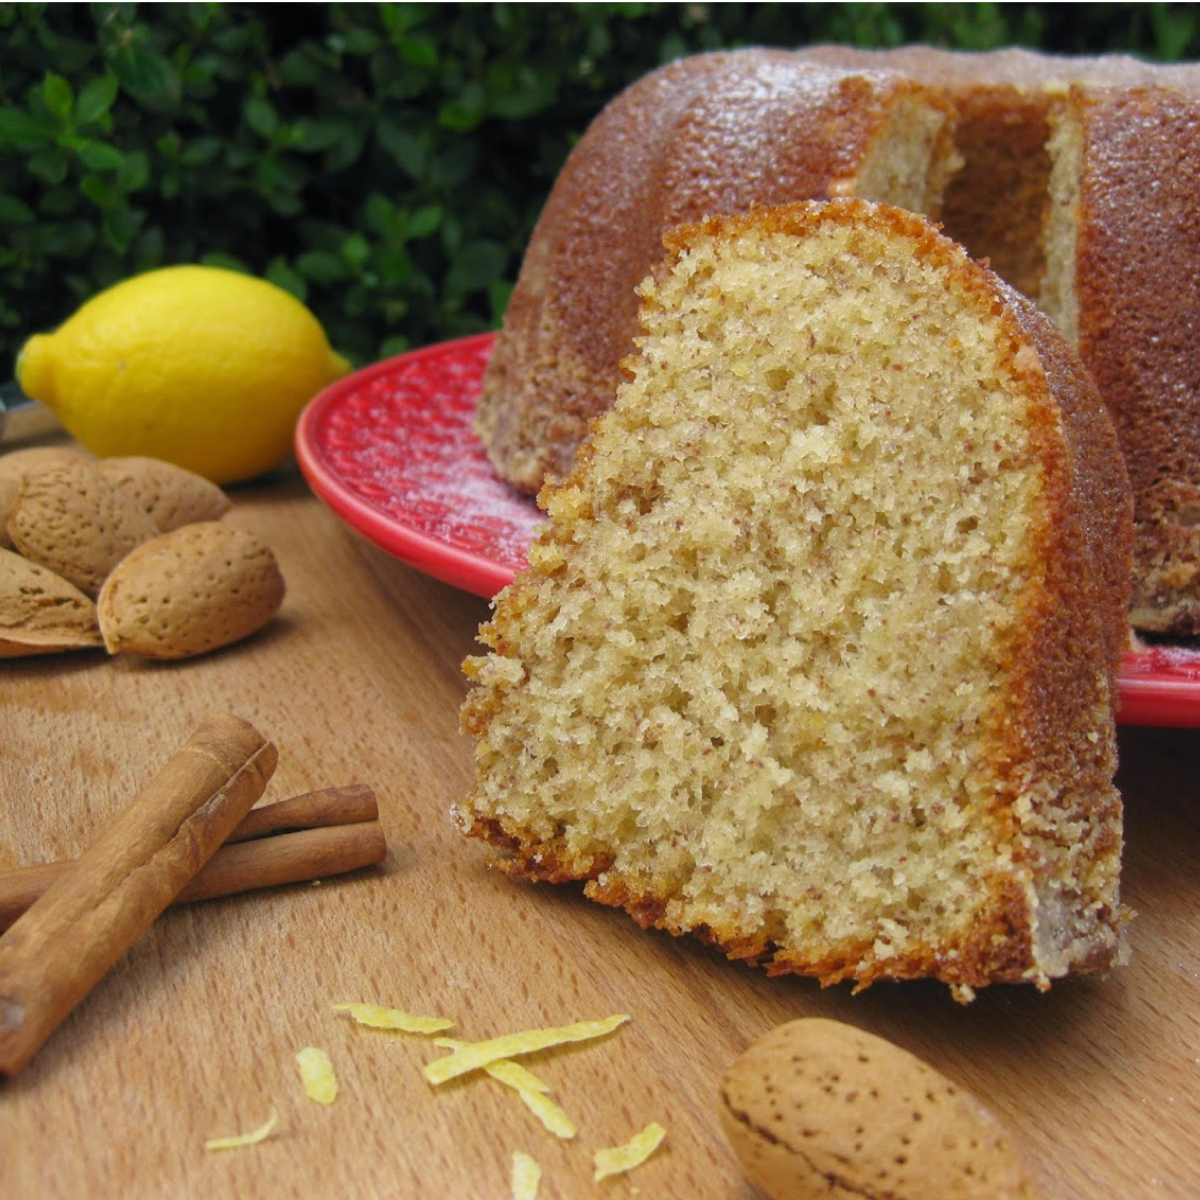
(401, 442)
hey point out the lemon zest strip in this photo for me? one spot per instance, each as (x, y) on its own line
(475, 1055)
(316, 1074)
(526, 1177)
(632, 1153)
(237, 1140)
(375, 1016)
(534, 1092)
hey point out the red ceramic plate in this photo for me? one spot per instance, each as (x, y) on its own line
(391, 451)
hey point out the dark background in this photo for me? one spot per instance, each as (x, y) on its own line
(383, 162)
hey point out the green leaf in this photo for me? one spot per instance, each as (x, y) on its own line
(58, 96)
(145, 75)
(150, 247)
(97, 156)
(522, 95)
(345, 153)
(405, 149)
(280, 273)
(68, 240)
(322, 266)
(455, 165)
(96, 98)
(356, 250)
(219, 258)
(49, 165)
(360, 41)
(395, 267)
(396, 344)
(121, 224)
(135, 171)
(305, 66)
(14, 211)
(499, 291)
(417, 51)
(22, 130)
(318, 134)
(100, 193)
(200, 151)
(381, 216)
(464, 113)
(476, 266)
(425, 221)
(261, 116)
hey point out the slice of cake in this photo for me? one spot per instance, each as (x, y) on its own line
(816, 654)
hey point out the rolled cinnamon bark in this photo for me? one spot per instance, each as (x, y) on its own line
(53, 955)
(342, 834)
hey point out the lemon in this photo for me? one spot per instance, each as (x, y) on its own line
(200, 366)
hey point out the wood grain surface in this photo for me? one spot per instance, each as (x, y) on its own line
(194, 1032)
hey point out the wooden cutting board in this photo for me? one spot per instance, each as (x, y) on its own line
(193, 1033)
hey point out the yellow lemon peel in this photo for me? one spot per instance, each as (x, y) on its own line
(526, 1176)
(316, 1074)
(238, 1140)
(376, 1016)
(617, 1159)
(534, 1092)
(473, 1056)
(504, 1069)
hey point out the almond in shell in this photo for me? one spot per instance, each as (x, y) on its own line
(70, 519)
(189, 591)
(817, 1108)
(172, 495)
(14, 466)
(41, 612)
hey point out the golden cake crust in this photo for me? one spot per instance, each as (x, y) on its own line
(1138, 287)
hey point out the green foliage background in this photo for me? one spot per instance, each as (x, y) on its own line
(384, 162)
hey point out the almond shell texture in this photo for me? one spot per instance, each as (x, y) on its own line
(70, 519)
(172, 495)
(41, 612)
(189, 591)
(818, 1108)
(14, 466)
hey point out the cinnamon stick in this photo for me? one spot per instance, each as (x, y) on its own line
(57, 951)
(328, 806)
(286, 859)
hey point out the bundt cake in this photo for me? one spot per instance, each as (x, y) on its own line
(815, 655)
(708, 134)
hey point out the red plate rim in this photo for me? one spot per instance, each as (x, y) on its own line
(459, 567)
